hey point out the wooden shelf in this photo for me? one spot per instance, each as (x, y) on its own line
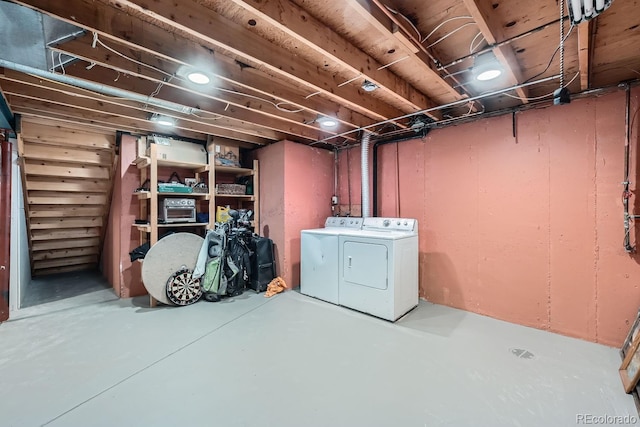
(236, 171)
(142, 195)
(248, 197)
(147, 227)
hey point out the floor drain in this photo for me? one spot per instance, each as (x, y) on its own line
(522, 354)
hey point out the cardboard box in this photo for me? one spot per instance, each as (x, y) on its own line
(226, 155)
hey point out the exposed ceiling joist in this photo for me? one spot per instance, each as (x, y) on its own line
(585, 46)
(232, 75)
(135, 28)
(417, 51)
(481, 11)
(17, 83)
(103, 106)
(305, 29)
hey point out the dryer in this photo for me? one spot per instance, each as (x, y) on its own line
(378, 267)
(319, 257)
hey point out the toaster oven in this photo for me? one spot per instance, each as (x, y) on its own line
(174, 210)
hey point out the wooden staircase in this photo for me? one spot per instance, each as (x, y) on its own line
(67, 177)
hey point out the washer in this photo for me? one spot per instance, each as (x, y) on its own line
(319, 257)
(378, 267)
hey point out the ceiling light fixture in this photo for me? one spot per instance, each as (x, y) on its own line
(162, 120)
(327, 122)
(584, 10)
(198, 77)
(486, 67)
(369, 86)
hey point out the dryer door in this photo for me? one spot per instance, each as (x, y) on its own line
(365, 264)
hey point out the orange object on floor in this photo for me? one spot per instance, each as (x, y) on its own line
(276, 286)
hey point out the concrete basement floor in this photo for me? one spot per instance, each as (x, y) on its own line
(292, 361)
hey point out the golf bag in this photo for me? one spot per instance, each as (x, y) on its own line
(238, 256)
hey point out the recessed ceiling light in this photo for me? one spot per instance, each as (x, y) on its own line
(327, 122)
(488, 75)
(486, 67)
(369, 86)
(198, 77)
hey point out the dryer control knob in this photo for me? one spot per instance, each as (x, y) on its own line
(342, 222)
(386, 223)
(406, 223)
(398, 222)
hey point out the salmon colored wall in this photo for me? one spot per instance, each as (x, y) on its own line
(296, 185)
(124, 276)
(309, 180)
(272, 223)
(526, 229)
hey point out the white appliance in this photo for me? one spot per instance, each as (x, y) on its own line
(319, 258)
(174, 150)
(378, 267)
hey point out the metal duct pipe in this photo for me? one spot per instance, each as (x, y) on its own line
(95, 87)
(366, 213)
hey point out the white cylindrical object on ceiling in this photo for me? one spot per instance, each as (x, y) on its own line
(600, 5)
(576, 9)
(589, 11)
(364, 161)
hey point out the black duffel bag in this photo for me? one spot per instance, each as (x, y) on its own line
(263, 263)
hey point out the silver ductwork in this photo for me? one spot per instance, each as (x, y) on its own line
(364, 145)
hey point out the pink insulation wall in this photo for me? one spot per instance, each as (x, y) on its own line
(296, 185)
(527, 229)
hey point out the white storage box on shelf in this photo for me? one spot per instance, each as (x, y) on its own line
(173, 150)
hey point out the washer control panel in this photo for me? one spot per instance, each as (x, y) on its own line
(391, 224)
(343, 222)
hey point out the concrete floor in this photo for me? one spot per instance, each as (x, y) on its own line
(293, 361)
(56, 287)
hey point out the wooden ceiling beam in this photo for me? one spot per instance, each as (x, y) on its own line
(245, 117)
(102, 106)
(132, 25)
(77, 117)
(243, 79)
(585, 46)
(491, 30)
(222, 127)
(89, 115)
(245, 107)
(302, 27)
(387, 22)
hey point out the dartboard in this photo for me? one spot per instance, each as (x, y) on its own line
(182, 288)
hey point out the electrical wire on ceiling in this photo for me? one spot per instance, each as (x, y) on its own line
(555, 52)
(471, 46)
(537, 98)
(449, 34)
(96, 41)
(278, 106)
